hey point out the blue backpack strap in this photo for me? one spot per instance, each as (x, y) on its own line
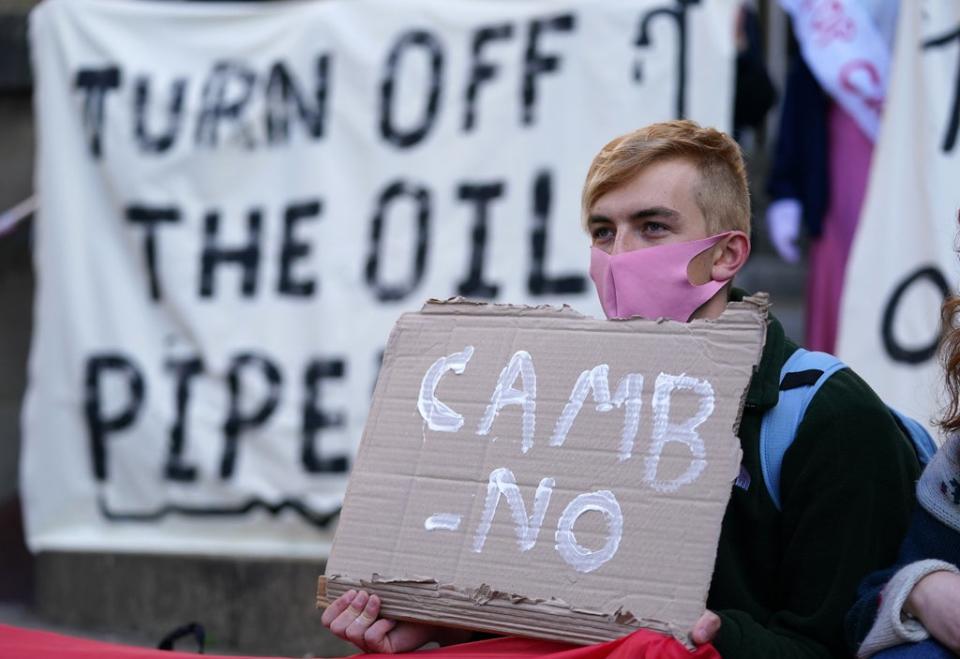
(923, 444)
(801, 377)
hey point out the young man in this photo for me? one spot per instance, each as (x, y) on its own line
(668, 211)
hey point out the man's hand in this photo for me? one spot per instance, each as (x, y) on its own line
(706, 628)
(354, 617)
(935, 602)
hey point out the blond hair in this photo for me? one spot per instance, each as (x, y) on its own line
(721, 193)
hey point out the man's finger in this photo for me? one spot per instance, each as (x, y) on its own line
(372, 609)
(377, 637)
(337, 607)
(369, 613)
(355, 632)
(361, 620)
(345, 620)
(706, 628)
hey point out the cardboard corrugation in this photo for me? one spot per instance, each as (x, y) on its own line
(658, 575)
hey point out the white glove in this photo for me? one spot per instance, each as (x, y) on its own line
(783, 224)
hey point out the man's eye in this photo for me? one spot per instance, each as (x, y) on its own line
(654, 227)
(601, 233)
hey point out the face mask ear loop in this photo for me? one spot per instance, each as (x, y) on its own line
(724, 238)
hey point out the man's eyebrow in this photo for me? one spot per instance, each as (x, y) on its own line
(599, 219)
(654, 211)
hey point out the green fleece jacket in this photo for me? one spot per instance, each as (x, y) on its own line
(784, 580)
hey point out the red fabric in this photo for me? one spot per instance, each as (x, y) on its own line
(17, 643)
(641, 644)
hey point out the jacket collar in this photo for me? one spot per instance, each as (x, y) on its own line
(764, 391)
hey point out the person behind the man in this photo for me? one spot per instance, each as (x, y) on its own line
(668, 211)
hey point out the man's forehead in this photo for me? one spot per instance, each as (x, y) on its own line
(667, 184)
(637, 211)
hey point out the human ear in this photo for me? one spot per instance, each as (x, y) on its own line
(730, 255)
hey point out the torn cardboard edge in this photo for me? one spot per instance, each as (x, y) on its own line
(486, 610)
(465, 306)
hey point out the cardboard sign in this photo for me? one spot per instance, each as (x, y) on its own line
(531, 471)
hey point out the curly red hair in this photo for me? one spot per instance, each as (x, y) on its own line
(950, 356)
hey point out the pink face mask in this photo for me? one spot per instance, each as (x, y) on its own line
(652, 282)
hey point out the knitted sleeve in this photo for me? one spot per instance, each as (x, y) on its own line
(892, 627)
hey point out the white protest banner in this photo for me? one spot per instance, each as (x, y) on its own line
(237, 201)
(904, 259)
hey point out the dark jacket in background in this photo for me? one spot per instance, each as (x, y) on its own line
(799, 169)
